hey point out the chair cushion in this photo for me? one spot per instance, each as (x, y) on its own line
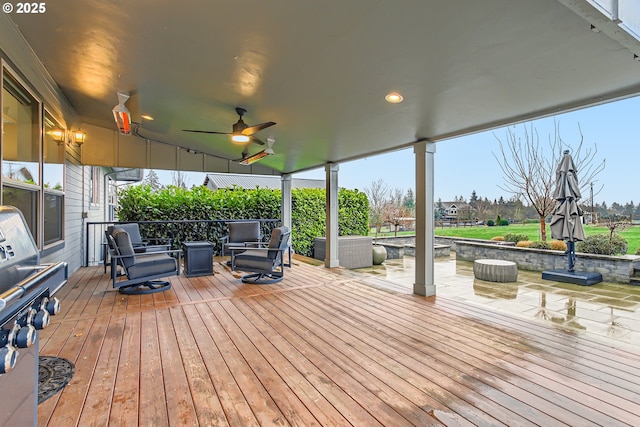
(276, 241)
(244, 231)
(124, 247)
(150, 265)
(253, 260)
(133, 229)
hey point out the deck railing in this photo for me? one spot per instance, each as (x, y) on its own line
(175, 232)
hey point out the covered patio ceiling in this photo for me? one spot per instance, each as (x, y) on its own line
(321, 69)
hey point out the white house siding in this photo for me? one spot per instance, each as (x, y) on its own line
(77, 193)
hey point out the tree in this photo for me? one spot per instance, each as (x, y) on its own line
(473, 200)
(378, 194)
(179, 179)
(395, 211)
(409, 201)
(152, 180)
(439, 210)
(530, 170)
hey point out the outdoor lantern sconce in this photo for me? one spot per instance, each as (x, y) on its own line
(79, 137)
(59, 136)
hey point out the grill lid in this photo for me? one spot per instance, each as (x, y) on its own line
(18, 251)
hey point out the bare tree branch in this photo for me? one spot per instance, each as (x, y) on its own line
(530, 170)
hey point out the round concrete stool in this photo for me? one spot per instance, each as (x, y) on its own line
(495, 270)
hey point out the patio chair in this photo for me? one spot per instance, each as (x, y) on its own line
(141, 269)
(140, 245)
(266, 263)
(241, 234)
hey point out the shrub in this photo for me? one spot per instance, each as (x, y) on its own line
(558, 245)
(539, 245)
(524, 243)
(490, 223)
(503, 222)
(141, 203)
(601, 244)
(515, 238)
(498, 238)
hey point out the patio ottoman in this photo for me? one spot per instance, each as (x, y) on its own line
(495, 270)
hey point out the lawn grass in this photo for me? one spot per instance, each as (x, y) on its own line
(631, 235)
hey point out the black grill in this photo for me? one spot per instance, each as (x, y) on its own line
(26, 302)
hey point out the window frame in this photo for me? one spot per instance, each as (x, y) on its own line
(39, 191)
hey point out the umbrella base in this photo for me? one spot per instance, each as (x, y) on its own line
(578, 277)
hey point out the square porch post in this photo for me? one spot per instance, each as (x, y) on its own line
(286, 204)
(425, 223)
(331, 186)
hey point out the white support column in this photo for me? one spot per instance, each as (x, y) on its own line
(425, 224)
(331, 187)
(285, 205)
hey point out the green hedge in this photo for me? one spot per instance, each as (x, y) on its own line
(141, 203)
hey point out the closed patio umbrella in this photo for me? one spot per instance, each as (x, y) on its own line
(566, 222)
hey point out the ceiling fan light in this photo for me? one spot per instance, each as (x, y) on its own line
(239, 138)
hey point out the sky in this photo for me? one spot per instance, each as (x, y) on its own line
(467, 163)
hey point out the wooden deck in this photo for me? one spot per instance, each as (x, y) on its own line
(322, 348)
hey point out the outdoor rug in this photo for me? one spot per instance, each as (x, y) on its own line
(53, 374)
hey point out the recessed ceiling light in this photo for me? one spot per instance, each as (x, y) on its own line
(146, 116)
(394, 98)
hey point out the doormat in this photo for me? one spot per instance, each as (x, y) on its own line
(54, 373)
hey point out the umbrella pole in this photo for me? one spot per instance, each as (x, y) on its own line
(571, 255)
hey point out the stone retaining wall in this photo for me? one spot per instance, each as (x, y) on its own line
(616, 269)
(397, 247)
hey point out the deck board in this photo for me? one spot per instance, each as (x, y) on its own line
(323, 347)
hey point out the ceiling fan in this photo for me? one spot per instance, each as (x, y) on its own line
(241, 133)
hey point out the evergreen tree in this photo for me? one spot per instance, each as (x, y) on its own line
(152, 180)
(409, 201)
(473, 200)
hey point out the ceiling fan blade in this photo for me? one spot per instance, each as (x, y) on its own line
(256, 140)
(206, 131)
(257, 128)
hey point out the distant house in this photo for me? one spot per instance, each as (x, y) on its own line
(455, 210)
(216, 181)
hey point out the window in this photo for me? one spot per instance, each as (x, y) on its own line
(95, 186)
(21, 151)
(53, 182)
(33, 163)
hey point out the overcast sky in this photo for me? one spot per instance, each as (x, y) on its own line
(467, 163)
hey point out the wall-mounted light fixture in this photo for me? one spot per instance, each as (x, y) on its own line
(78, 137)
(59, 136)
(122, 115)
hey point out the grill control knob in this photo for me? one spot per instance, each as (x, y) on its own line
(53, 306)
(41, 319)
(28, 318)
(26, 336)
(8, 356)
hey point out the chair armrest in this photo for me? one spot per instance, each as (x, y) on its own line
(233, 250)
(255, 244)
(144, 254)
